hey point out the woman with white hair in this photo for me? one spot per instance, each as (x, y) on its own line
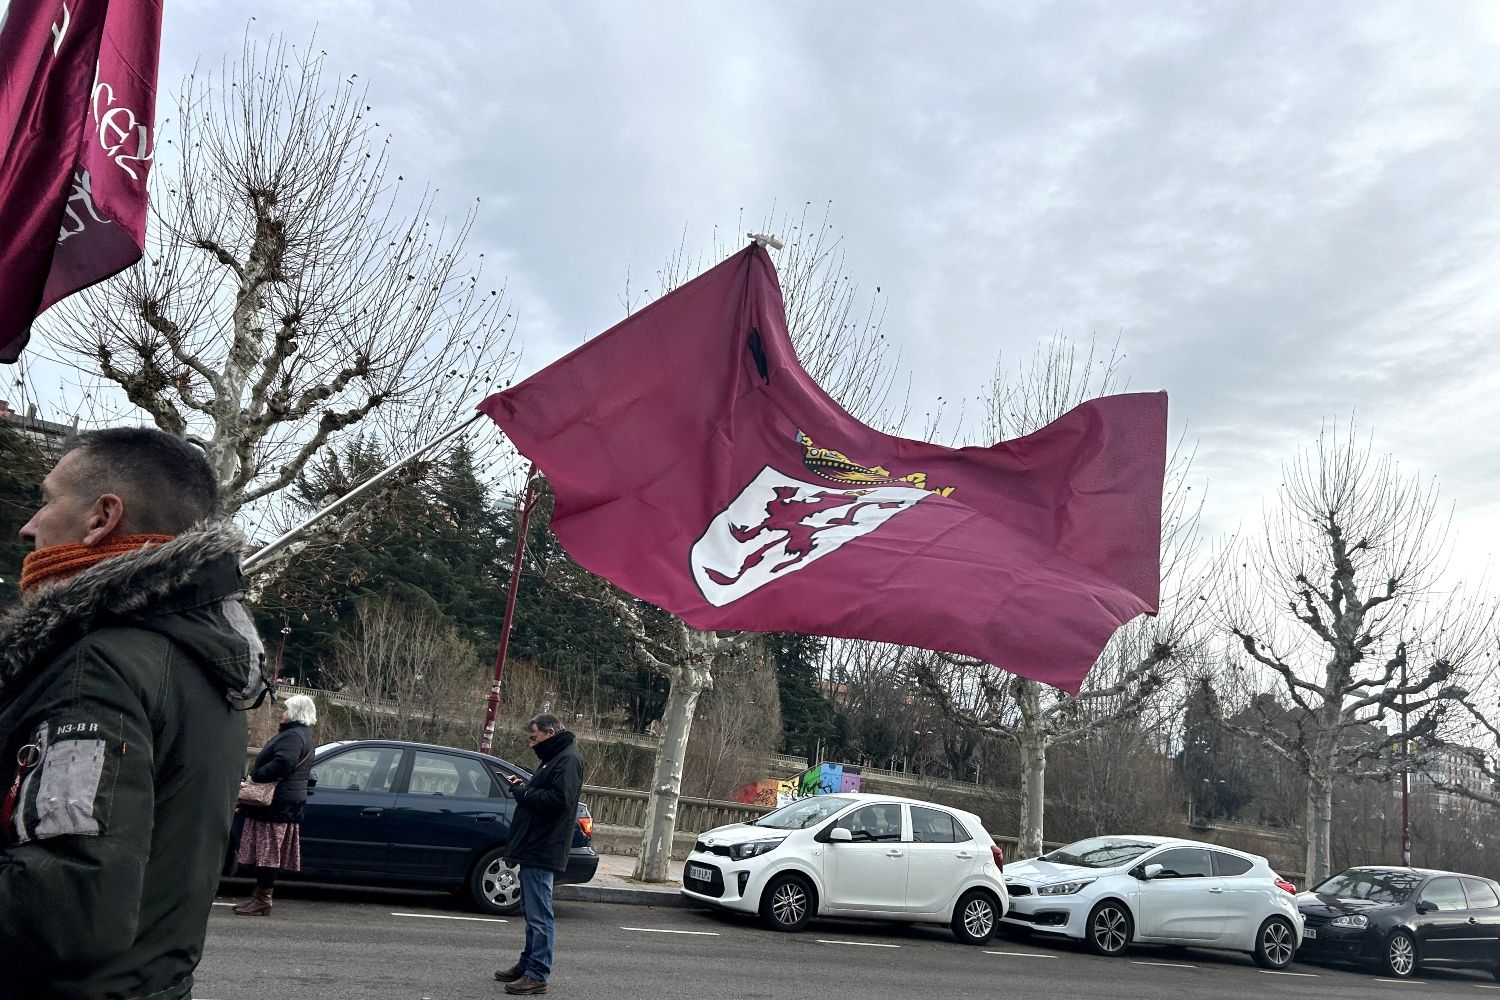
(271, 839)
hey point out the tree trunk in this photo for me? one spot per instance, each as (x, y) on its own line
(1319, 825)
(1032, 736)
(689, 681)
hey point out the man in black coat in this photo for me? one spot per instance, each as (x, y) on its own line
(541, 835)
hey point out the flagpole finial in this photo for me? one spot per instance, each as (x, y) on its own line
(764, 240)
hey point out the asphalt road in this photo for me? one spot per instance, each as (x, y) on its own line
(338, 944)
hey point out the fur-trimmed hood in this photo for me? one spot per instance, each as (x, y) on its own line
(189, 590)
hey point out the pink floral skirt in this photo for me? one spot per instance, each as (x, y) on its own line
(271, 845)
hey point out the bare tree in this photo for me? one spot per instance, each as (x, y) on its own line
(737, 723)
(408, 673)
(1139, 661)
(1337, 606)
(287, 296)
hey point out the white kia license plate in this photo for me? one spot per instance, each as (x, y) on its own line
(699, 872)
(1309, 933)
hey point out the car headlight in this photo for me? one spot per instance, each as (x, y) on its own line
(1064, 888)
(1358, 921)
(739, 852)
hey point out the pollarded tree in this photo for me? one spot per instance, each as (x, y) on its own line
(1338, 604)
(288, 297)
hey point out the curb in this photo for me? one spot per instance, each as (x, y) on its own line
(634, 897)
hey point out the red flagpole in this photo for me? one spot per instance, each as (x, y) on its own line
(523, 521)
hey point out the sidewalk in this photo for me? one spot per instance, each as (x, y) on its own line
(612, 884)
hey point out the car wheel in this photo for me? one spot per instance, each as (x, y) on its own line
(1275, 944)
(1109, 928)
(494, 886)
(974, 917)
(1400, 957)
(787, 903)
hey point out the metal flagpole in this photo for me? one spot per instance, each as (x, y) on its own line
(523, 522)
(258, 558)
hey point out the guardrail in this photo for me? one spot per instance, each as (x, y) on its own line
(626, 807)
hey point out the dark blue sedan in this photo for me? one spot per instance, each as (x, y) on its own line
(389, 812)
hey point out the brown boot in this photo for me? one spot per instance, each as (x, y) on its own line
(525, 986)
(258, 905)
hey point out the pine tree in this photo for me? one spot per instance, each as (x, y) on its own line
(22, 469)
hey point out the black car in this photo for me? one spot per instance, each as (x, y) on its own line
(388, 812)
(1403, 919)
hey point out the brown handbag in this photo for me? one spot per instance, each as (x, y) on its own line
(260, 793)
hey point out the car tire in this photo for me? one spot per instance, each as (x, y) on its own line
(787, 903)
(494, 886)
(975, 917)
(1399, 959)
(1275, 944)
(1109, 929)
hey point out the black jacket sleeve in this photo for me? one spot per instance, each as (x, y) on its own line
(560, 793)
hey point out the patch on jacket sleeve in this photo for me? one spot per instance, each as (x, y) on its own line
(67, 789)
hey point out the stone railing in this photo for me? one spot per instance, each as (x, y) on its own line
(626, 807)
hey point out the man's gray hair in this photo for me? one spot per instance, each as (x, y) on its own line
(302, 709)
(545, 722)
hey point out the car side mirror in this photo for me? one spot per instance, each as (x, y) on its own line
(1150, 872)
(839, 835)
(1426, 906)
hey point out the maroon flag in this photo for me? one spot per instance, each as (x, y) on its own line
(697, 466)
(77, 105)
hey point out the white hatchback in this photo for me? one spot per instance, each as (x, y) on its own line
(1111, 891)
(854, 855)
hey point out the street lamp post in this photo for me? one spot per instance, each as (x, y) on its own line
(1405, 776)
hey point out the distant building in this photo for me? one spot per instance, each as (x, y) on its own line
(1450, 765)
(48, 436)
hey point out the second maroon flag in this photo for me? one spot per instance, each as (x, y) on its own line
(698, 467)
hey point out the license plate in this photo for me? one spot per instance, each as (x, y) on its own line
(700, 873)
(1309, 934)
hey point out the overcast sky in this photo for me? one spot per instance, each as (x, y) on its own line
(1284, 211)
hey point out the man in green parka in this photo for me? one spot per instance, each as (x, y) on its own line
(124, 670)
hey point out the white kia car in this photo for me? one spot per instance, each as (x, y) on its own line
(854, 855)
(1112, 891)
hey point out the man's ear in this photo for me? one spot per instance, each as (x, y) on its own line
(103, 519)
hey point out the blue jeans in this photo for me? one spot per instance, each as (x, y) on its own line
(536, 901)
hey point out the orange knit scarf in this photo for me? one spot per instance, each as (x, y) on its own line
(58, 562)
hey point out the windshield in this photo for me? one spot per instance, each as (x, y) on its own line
(803, 813)
(1375, 886)
(1099, 852)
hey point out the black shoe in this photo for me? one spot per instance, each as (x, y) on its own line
(525, 985)
(509, 975)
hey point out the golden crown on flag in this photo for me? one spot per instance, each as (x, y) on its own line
(837, 467)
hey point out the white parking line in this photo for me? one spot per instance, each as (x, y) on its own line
(1403, 982)
(1020, 954)
(226, 904)
(664, 930)
(1304, 975)
(1164, 965)
(443, 916)
(1484, 987)
(859, 944)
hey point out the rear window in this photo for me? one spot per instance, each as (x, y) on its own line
(1481, 894)
(1226, 865)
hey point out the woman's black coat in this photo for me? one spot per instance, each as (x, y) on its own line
(286, 758)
